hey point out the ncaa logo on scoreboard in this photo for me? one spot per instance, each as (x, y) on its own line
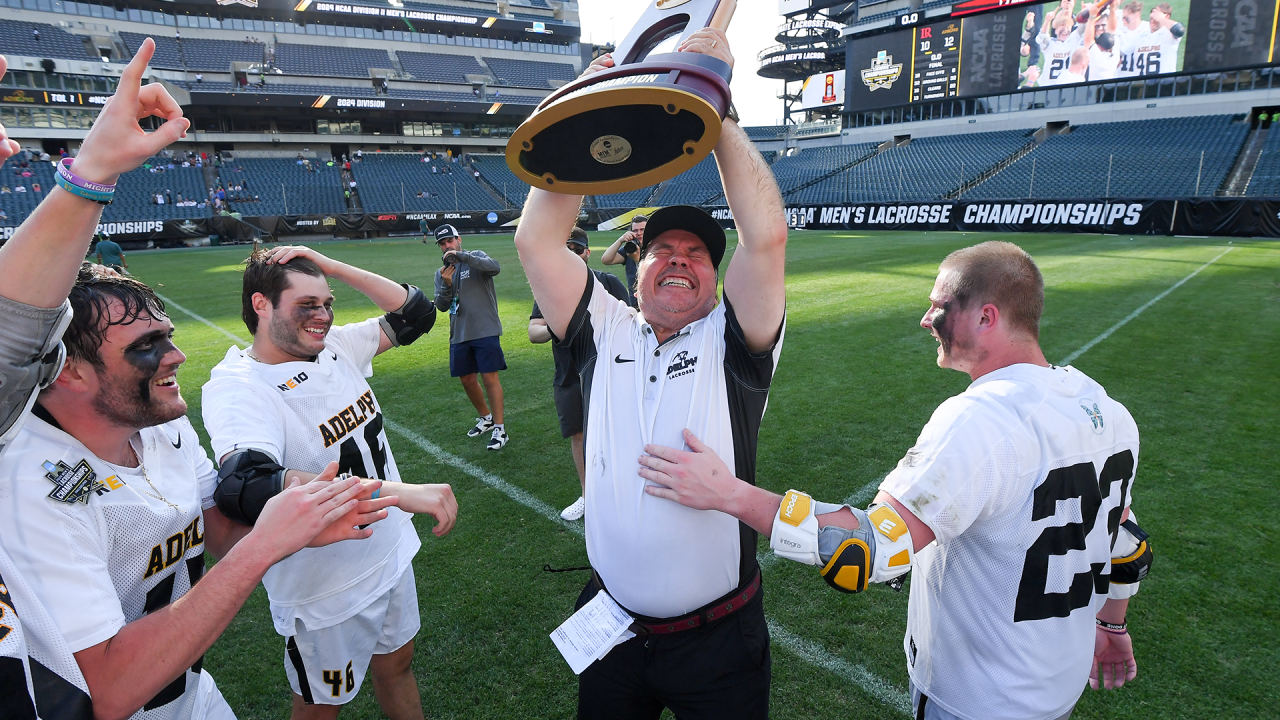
(883, 73)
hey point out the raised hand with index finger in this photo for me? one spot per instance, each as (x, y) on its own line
(117, 143)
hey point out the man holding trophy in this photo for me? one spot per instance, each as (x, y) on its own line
(684, 359)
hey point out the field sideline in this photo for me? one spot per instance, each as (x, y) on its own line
(855, 383)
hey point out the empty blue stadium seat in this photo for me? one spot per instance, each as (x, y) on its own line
(329, 61)
(17, 38)
(283, 187)
(529, 73)
(391, 182)
(440, 67)
(196, 53)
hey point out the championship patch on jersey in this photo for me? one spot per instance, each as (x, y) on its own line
(72, 484)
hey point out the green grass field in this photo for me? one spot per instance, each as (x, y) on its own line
(856, 382)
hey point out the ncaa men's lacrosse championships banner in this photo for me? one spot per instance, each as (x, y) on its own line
(1239, 218)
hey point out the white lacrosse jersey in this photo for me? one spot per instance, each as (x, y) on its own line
(1057, 55)
(656, 557)
(99, 545)
(1022, 478)
(33, 654)
(306, 414)
(1127, 42)
(1156, 53)
(1103, 63)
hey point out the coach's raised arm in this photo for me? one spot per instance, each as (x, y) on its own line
(755, 276)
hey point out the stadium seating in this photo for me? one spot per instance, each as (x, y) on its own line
(925, 169)
(1266, 174)
(391, 182)
(280, 88)
(439, 67)
(806, 166)
(282, 187)
(528, 73)
(493, 169)
(1146, 158)
(329, 61)
(695, 186)
(628, 200)
(195, 53)
(18, 38)
(767, 132)
(136, 190)
(17, 205)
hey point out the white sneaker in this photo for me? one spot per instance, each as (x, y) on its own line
(575, 511)
(497, 440)
(483, 425)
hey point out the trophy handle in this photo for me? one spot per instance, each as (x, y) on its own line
(662, 20)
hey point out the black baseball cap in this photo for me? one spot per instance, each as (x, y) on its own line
(446, 232)
(690, 219)
(578, 237)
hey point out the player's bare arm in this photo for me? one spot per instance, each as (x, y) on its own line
(53, 240)
(755, 278)
(556, 276)
(221, 533)
(538, 331)
(126, 671)
(853, 547)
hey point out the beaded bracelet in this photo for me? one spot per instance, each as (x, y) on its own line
(1118, 629)
(87, 189)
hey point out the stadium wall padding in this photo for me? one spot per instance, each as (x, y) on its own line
(1235, 217)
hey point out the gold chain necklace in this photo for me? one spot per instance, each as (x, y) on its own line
(155, 493)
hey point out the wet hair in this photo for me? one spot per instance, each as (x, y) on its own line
(1002, 274)
(91, 296)
(270, 279)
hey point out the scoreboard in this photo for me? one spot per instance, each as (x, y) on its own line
(976, 55)
(935, 62)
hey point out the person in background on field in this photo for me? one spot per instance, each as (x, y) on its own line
(464, 289)
(566, 386)
(625, 251)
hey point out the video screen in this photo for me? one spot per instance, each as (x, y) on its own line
(1055, 44)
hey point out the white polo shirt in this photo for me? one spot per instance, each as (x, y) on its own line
(657, 558)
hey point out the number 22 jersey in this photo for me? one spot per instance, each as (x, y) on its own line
(306, 415)
(1023, 479)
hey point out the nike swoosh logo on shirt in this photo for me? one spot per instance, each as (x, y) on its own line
(178, 444)
(620, 359)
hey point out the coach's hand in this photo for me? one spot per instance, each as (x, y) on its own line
(1112, 660)
(117, 143)
(697, 479)
(709, 41)
(435, 500)
(603, 62)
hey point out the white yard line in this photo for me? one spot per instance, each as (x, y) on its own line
(806, 650)
(1089, 345)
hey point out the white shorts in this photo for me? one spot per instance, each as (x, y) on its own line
(334, 659)
(210, 705)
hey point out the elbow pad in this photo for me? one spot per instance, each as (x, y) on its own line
(1177, 30)
(880, 550)
(1130, 559)
(413, 320)
(246, 481)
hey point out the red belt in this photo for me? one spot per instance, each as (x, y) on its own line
(703, 615)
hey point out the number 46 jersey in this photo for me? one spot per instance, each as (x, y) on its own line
(1023, 479)
(306, 415)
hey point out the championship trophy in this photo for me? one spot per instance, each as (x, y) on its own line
(645, 120)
